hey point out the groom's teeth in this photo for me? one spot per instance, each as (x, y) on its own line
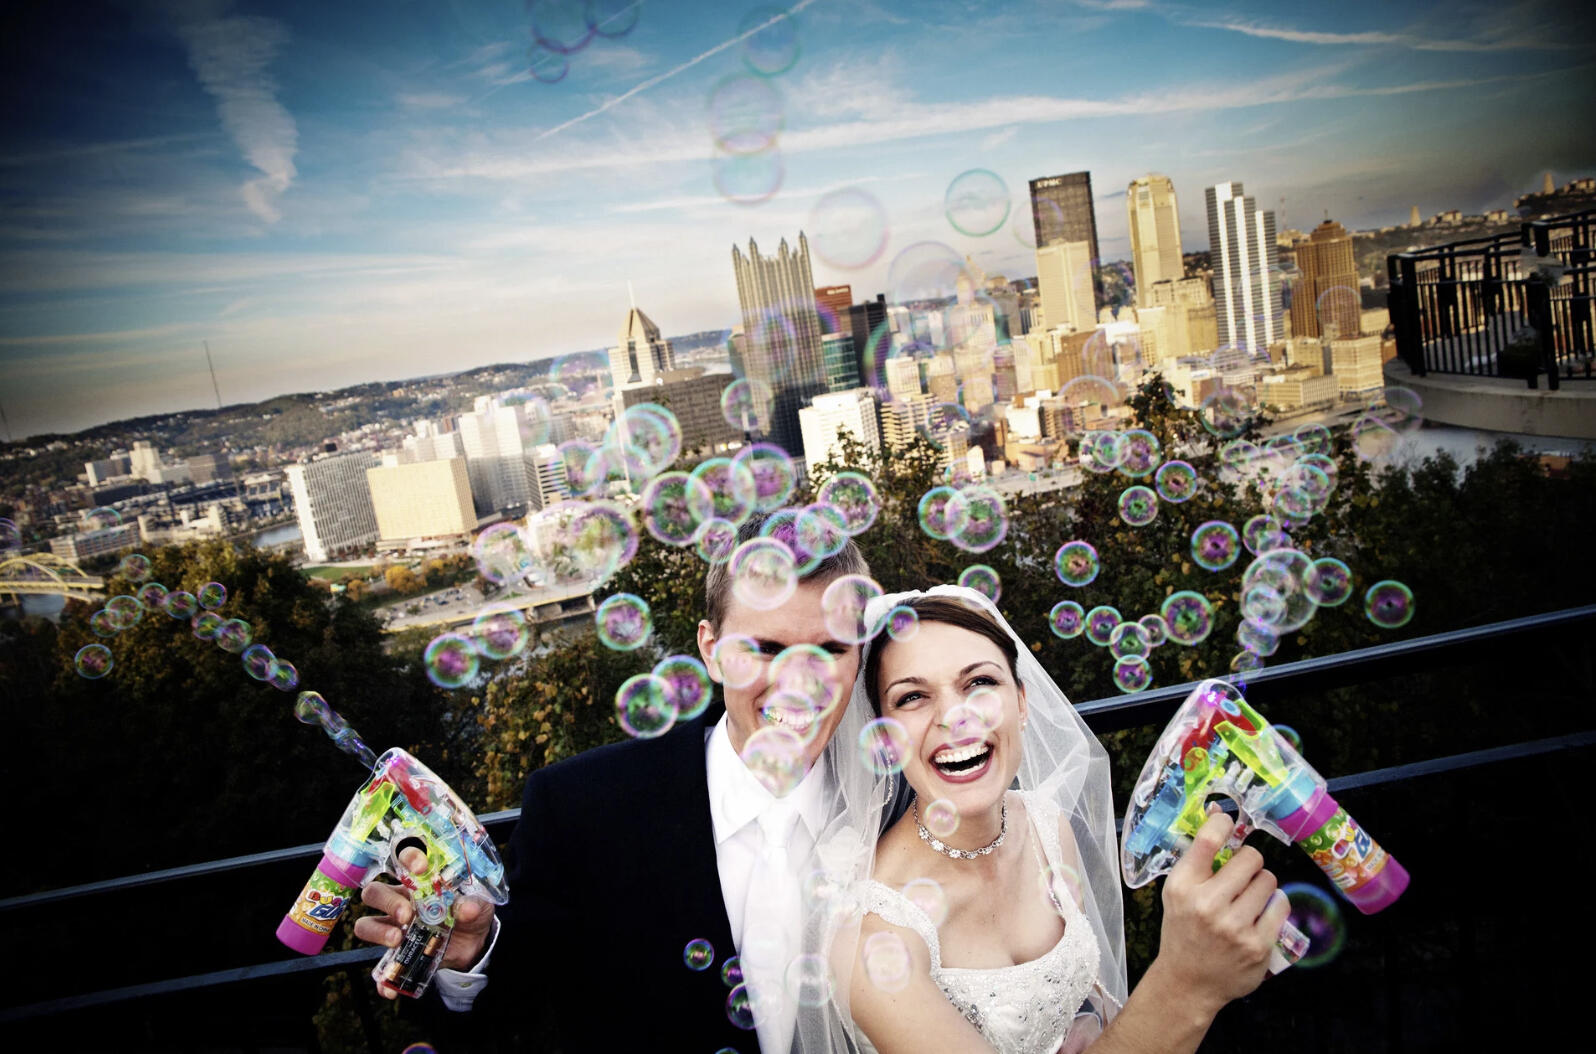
(788, 719)
(953, 755)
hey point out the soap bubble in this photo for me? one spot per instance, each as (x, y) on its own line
(181, 604)
(883, 746)
(1318, 917)
(103, 624)
(1263, 603)
(258, 659)
(730, 487)
(983, 580)
(451, 660)
(205, 625)
(1328, 582)
(1244, 662)
(902, 622)
(1138, 506)
(748, 179)
(1128, 639)
(500, 632)
(668, 507)
(716, 540)
(546, 65)
(842, 607)
(977, 202)
(924, 271)
(93, 661)
(153, 596)
(1132, 674)
(501, 554)
(101, 519)
(611, 18)
(809, 672)
(1067, 619)
(819, 531)
(855, 497)
(1388, 604)
(740, 1008)
(809, 980)
(135, 567)
(687, 685)
(887, 961)
(1176, 481)
(1215, 545)
(1100, 624)
(731, 971)
(1155, 628)
(1140, 453)
(927, 895)
(774, 474)
(771, 46)
(1283, 571)
(559, 25)
(643, 706)
(10, 536)
(775, 757)
(624, 621)
(1101, 451)
(738, 660)
(1263, 533)
(125, 611)
(942, 512)
(582, 543)
(986, 520)
(234, 635)
(940, 817)
(1060, 884)
(1076, 563)
(763, 573)
(1257, 636)
(1189, 616)
(211, 595)
(311, 708)
(1290, 735)
(746, 114)
(746, 404)
(699, 955)
(1225, 413)
(282, 675)
(848, 228)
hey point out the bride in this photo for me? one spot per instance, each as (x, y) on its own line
(990, 918)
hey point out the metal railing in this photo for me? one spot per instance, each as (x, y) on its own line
(1515, 306)
(1152, 708)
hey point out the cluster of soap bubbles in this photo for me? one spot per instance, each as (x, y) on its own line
(746, 110)
(312, 709)
(561, 28)
(650, 704)
(972, 516)
(497, 633)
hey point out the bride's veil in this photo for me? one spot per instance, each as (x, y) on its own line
(1063, 762)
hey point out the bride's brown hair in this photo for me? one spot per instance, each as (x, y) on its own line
(954, 612)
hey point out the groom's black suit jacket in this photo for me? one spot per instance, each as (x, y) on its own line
(612, 872)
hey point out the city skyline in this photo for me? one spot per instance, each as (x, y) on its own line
(332, 198)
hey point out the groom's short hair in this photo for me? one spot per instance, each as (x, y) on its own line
(717, 584)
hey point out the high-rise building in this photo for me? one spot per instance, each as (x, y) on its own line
(106, 468)
(942, 378)
(1190, 322)
(782, 326)
(693, 395)
(903, 376)
(430, 443)
(1357, 365)
(833, 303)
(1325, 301)
(1154, 234)
(496, 460)
(1061, 208)
(86, 545)
(332, 499)
(1241, 239)
(208, 468)
(872, 337)
(640, 353)
(1064, 275)
(1296, 388)
(824, 421)
(422, 500)
(553, 480)
(145, 461)
(842, 363)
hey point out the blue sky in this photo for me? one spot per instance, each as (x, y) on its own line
(335, 193)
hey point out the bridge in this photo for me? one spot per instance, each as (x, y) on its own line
(542, 605)
(46, 574)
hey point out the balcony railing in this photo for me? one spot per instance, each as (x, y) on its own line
(1516, 306)
(1481, 830)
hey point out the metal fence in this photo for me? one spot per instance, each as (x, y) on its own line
(1514, 306)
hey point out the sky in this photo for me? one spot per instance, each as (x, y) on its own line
(329, 194)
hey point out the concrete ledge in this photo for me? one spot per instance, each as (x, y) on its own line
(1496, 404)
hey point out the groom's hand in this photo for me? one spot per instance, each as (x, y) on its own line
(1219, 926)
(473, 920)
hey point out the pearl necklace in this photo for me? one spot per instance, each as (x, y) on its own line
(963, 854)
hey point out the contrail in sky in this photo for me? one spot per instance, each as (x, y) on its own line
(668, 74)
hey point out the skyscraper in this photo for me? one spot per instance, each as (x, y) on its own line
(1241, 240)
(1064, 275)
(834, 302)
(640, 355)
(1154, 234)
(1061, 208)
(500, 470)
(782, 327)
(422, 500)
(824, 422)
(842, 362)
(872, 337)
(1326, 301)
(333, 501)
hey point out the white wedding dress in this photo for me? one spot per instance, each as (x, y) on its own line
(1026, 1008)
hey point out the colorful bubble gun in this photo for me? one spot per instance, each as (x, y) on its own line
(1216, 744)
(403, 804)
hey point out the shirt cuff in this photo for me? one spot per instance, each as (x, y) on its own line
(459, 988)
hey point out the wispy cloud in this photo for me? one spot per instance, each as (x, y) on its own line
(435, 100)
(1373, 38)
(230, 57)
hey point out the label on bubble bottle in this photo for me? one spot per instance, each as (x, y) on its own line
(1345, 852)
(320, 904)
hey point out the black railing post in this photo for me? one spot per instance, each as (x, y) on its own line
(1403, 301)
(1538, 304)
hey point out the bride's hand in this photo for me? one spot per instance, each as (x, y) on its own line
(1219, 926)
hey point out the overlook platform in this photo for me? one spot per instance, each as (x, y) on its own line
(1499, 404)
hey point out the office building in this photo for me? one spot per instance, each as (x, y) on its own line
(830, 416)
(1154, 234)
(1064, 275)
(106, 469)
(496, 459)
(1062, 209)
(333, 501)
(87, 545)
(834, 302)
(1325, 301)
(904, 419)
(973, 366)
(430, 443)
(942, 379)
(842, 363)
(782, 327)
(1005, 374)
(1241, 239)
(1296, 388)
(1190, 325)
(903, 376)
(872, 337)
(422, 501)
(693, 395)
(209, 468)
(552, 478)
(145, 461)
(640, 353)
(1357, 364)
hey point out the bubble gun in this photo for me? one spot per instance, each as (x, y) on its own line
(403, 804)
(1216, 744)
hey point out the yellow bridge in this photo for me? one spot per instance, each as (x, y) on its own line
(46, 573)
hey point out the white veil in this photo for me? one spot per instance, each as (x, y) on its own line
(1063, 763)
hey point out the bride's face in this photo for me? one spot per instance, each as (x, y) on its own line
(951, 689)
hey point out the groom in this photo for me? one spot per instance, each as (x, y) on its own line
(625, 854)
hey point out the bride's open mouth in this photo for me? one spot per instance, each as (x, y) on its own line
(963, 762)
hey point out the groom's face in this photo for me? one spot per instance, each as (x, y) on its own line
(752, 639)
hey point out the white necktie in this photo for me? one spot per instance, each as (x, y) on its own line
(770, 928)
